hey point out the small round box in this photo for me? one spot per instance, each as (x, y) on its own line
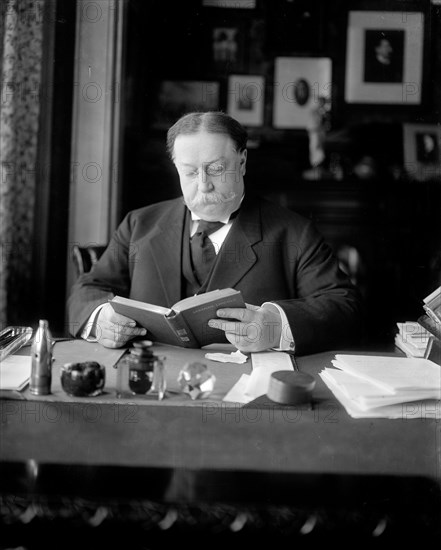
(85, 379)
(290, 388)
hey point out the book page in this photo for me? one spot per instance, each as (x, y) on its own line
(129, 303)
(201, 299)
(203, 309)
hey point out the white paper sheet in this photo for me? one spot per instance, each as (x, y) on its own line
(237, 392)
(15, 371)
(234, 357)
(403, 411)
(365, 395)
(392, 374)
(264, 364)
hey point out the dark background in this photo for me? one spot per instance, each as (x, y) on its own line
(392, 221)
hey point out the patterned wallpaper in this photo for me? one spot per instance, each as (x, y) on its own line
(19, 119)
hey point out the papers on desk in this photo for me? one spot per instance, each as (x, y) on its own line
(380, 387)
(251, 386)
(15, 372)
(233, 357)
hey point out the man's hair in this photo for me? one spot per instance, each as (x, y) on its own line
(213, 122)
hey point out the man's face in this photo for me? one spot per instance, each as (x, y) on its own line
(211, 173)
(384, 51)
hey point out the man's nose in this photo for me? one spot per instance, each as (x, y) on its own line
(205, 183)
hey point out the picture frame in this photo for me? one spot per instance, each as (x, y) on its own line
(246, 99)
(227, 49)
(384, 57)
(230, 4)
(178, 97)
(422, 151)
(299, 82)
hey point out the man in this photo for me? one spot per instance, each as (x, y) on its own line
(296, 296)
(383, 61)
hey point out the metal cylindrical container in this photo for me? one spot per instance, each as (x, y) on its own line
(41, 372)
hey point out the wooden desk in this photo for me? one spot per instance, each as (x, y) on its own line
(316, 461)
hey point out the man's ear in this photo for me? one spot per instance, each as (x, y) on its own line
(243, 162)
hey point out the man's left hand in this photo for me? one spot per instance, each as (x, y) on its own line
(250, 329)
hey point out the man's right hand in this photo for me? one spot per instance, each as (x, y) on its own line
(114, 330)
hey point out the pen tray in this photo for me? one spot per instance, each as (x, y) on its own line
(12, 338)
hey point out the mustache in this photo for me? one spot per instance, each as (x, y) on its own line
(214, 197)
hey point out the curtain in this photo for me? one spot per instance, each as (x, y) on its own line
(22, 25)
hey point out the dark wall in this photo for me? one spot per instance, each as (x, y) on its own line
(173, 41)
(50, 301)
(392, 221)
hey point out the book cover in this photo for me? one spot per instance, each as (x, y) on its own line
(409, 348)
(430, 325)
(432, 305)
(185, 324)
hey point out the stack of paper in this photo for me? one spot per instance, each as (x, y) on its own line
(377, 386)
(15, 372)
(412, 338)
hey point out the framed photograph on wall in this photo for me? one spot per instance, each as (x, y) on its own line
(227, 49)
(234, 4)
(178, 97)
(245, 99)
(384, 57)
(299, 82)
(422, 151)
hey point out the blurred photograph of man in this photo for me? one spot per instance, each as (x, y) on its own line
(384, 56)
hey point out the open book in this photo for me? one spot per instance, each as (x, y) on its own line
(186, 323)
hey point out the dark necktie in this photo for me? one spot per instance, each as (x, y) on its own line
(202, 249)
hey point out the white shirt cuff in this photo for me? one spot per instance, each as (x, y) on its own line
(89, 331)
(286, 339)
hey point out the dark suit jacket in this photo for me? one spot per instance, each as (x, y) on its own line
(270, 254)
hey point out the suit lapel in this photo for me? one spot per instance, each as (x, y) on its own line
(236, 256)
(166, 247)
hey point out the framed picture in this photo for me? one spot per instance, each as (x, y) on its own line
(179, 97)
(299, 82)
(238, 4)
(422, 151)
(245, 99)
(227, 49)
(384, 57)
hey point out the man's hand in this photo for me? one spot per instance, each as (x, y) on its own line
(256, 328)
(114, 330)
